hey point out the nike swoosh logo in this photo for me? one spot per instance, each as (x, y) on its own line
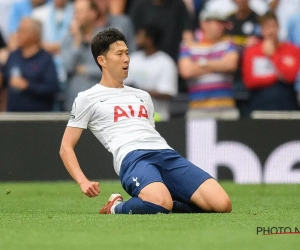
(103, 100)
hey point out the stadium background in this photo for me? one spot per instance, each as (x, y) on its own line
(237, 150)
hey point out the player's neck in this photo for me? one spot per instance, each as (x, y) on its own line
(111, 83)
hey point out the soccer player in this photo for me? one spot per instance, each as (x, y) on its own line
(156, 176)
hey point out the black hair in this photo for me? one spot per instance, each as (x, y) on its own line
(152, 31)
(102, 41)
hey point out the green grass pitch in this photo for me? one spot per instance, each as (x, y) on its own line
(56, 215)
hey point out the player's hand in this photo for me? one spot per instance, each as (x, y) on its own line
(91, 189)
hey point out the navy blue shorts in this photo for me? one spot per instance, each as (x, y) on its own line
(142, 167)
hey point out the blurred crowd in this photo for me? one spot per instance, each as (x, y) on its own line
(225, 56)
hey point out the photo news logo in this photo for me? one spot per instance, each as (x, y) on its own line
(276, 230)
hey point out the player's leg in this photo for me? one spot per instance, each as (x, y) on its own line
(157, 193)
(193, 189)
(211, 197)
(152, 199)
(142, 180)
(182, 207)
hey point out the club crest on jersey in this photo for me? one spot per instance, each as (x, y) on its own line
(129, 112)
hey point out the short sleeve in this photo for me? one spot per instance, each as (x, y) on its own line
(81, 112)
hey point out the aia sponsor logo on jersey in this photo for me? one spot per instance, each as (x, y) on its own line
(129, 111)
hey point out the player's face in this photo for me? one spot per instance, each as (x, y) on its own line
(117, 61)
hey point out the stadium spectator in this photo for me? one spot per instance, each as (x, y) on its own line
(154, 71)
(0, 78)
(2, 92)
(170, 15)
(208, 66)
(194, 7)
(3, 50)
(29, 73)
(56, 17)
(284, 9)
(243, 28)
(270, 69)
(121, 118)
(242, 25)
(82, 73)
(174, 21)
(3, 56)
(121, 22)
(20, 10)
(293, 29)
(1, 81)
(228, 6)
(5, 7)
(117, 7)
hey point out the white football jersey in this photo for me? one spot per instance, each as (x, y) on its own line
(120, 118)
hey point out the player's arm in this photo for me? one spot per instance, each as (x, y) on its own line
(68, 156)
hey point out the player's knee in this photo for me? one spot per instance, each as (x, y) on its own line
(165, 202)
(159, 196)
(224, 206)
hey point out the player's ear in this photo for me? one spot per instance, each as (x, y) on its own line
(101, 60)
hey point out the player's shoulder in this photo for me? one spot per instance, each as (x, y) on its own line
(136, 91)
(88, 91)
(88, 94)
